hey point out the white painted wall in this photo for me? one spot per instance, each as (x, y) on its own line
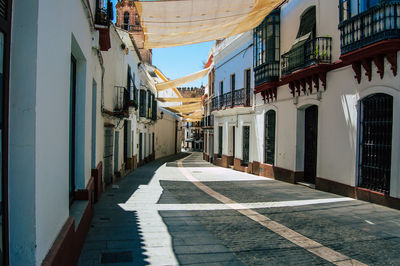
(42, 110)
(338, 108)
(165, 130)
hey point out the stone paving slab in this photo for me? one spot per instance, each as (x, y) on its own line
(127, 219)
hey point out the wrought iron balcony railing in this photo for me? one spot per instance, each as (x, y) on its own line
(268, 72)
(121, 99)
(314, 51)
(378, 23)
(215, 103)
(104, 15)
(233, 99)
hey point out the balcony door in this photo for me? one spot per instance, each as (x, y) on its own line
(310, 144)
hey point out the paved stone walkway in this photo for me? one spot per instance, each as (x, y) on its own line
(184, 211)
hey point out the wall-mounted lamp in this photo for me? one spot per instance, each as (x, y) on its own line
(319, 95)
(296, 100)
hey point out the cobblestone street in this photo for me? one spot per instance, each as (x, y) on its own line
(183, 211)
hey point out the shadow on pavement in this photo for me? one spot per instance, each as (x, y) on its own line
(115, 235)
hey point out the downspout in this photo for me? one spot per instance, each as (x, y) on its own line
(89, 14)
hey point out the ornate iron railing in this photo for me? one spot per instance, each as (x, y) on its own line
(315, 51)
(215, 103)
(239, 98)
(233, 99)
(268, 72)
(104, 15)
(121, 99)
(228, 100)
(378, 23)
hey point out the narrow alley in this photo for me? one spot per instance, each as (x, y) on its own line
(181, 210)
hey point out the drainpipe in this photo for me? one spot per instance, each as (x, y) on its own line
(89, 14)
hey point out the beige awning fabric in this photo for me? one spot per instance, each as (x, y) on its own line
(180, 100)
(182, 22)
(180, 81)
(187, 108)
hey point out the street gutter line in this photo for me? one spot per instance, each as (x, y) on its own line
(289, 234)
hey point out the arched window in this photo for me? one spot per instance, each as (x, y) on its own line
(126, 20)
(375, 142)
(270, 121)
(137, 22)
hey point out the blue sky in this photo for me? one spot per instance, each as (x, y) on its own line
(176, 62)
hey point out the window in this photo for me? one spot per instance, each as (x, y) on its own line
(142, 108)
(270, 120)
(148, 114)
(131, 85)
(233, 78)
(375, 142)
(267, 40)
(220, 138)
(126, 20)
(350, 8)
(266, 49)
(246, 145)
(308, 23)
(137, 21)
(247, 86)
(221, 88)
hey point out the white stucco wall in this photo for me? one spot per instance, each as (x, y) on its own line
(166, 132)
(47, 133)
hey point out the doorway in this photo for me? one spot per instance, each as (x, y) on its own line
(310, 143)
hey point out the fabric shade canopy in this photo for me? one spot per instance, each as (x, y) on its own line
(182, 22)
(180, 81)
(181, 100)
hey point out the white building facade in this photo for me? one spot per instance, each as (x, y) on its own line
(327, 99)
(81, 112)
(230, 104)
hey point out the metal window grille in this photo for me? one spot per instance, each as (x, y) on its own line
(270, 120)
(375, 140)
(246, 144)
(220, 141)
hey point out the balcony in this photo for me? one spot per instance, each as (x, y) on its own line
(311, 52)
(104, 15)
(381, 22)
(231, 99)
(268, 72)
(102, 20)
(121, 102)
